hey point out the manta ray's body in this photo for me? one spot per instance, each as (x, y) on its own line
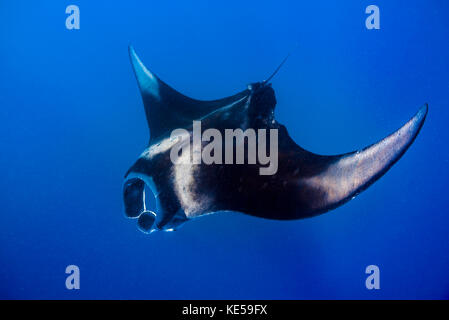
(304, 185)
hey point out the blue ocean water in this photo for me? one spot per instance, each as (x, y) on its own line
(72, 122)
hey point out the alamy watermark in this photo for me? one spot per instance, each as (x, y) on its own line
(73, 20)
(73, 280)
(212, 153)
(373, 280)
(373, 20)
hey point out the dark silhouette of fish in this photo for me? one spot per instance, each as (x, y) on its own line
(304, 185)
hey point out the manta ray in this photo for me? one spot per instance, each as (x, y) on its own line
(305, 184)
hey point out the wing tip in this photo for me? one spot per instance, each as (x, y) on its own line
(422, 112)
(418, 120)
(148, 82)
(134, 58)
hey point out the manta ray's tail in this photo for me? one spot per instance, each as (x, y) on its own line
(277, 69)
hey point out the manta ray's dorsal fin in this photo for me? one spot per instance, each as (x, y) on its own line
(166, 109)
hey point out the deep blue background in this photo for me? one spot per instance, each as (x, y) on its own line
(72, 122)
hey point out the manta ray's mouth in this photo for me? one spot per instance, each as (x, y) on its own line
(142, 202)
(134, 196)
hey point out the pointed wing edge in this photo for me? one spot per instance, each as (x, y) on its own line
(348, 175)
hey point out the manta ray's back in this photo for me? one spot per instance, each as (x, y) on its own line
(305, 184)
